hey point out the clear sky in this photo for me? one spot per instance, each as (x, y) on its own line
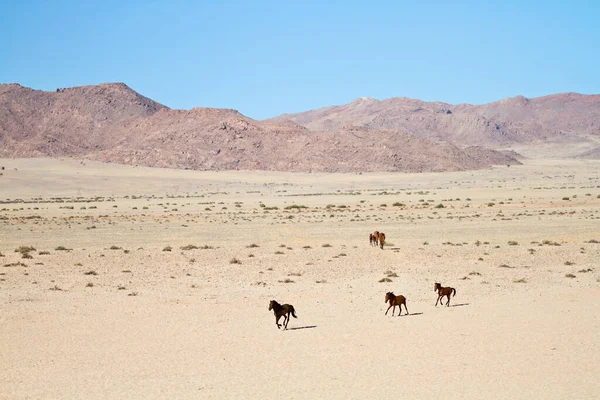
(265, 58)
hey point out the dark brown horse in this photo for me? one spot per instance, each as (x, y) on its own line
(395, 301)
(443, 291)
(282, 311)
(381, 239)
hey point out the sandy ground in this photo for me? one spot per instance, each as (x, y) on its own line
(116, 315)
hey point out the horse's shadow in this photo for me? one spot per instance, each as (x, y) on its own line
(301, 327)
(459, 305)
(413, 314)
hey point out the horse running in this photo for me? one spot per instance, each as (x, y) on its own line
(443, 291)
(395, 301)
(282, 311)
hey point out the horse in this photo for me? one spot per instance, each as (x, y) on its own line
(395, 301)
(374, 238)
(381, 239)
(443, 291)
(282, 311)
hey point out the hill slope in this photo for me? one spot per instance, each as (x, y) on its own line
(112, 123)
(566, 116)
(71, 121)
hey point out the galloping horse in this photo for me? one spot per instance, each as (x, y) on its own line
(282, 311)
(443, 291)
(395, 301)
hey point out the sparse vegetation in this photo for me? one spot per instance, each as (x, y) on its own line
(234, 261)
(16, 264)
(326, 245)
(570, 276)
(382, 280)
(167, 248)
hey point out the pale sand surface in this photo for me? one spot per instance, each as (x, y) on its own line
(199, 327)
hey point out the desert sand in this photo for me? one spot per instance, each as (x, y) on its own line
(100, 308)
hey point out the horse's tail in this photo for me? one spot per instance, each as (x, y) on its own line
(453, 292)
(293, 312)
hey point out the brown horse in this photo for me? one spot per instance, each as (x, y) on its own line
(282, 311)
(374, 238)
(381, 239)
(443, 291)
(395, 301)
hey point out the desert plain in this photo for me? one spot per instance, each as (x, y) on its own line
(136, 282)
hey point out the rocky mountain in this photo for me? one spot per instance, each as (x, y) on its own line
(72, 121)
(560, 117)
(112, 123)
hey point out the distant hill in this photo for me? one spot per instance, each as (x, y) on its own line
(560, 117)
(113, 123)
(73, 121)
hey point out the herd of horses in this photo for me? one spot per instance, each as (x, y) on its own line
(375, 239)
(284, 310)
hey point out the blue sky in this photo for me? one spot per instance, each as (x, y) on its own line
(265, 58)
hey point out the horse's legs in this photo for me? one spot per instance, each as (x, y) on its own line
(448, 302)
(388, 309)
(287, 321)
(277, 321)
(406, 309)
(438, 299)
(393, 310)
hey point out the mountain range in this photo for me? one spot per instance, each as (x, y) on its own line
(111, 122)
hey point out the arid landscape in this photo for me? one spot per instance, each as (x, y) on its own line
(124, 281)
